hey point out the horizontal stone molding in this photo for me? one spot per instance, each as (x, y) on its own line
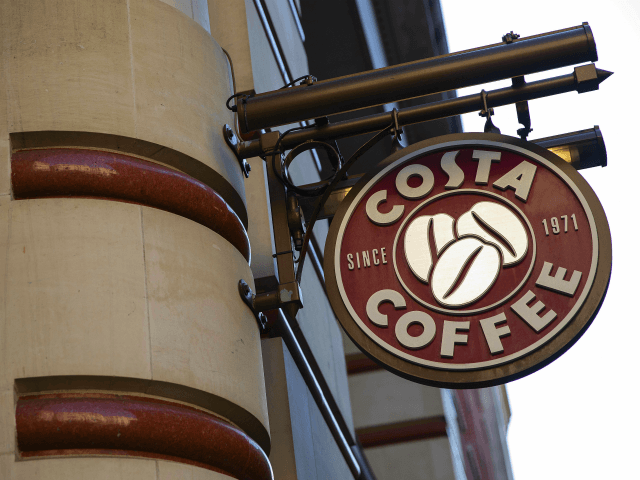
(140, 387)
(76, 172)
(77, 424)
(135, 147)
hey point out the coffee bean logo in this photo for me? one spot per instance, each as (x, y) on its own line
(416, 242)
(481, 262)
(469, 252)
(496, 224)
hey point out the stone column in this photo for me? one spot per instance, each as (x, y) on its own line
(125, 349)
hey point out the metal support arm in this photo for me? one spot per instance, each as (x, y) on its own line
(584, 78)
(522, 56)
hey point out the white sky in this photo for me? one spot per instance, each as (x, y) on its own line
(578, 418)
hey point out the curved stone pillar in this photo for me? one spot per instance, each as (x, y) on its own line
(122, 241)
(102, 296)
(136, 76)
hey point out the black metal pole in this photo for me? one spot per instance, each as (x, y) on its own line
(447, 72)
(441, 109)
(290, 341)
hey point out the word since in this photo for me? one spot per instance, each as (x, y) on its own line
(376, 257)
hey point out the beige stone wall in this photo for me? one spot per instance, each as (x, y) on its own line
(229, 28)
(202, 335)
(5, 167)
(139, 69)
(384, 398)
(418, 459)
(102, 469)
(73, 284)
(7, 422)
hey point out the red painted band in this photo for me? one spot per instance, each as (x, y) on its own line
(360, 363)
(409, 431)
(123, 425)
(70, 172)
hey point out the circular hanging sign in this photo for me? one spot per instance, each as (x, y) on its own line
(468, 260)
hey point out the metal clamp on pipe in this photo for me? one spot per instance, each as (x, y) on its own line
(522, 56)
(287, 293)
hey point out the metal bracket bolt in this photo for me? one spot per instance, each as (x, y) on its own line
(397, 133)
(522, 109)
(248, 297)
(287, 293)
(268, 141)
(510, 37)
(309, 80)
(295, 219)
(233, 142)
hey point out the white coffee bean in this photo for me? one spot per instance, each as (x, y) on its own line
(495, 224)
(465, 272)
(416, 242)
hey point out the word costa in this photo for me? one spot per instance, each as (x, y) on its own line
(520, 179)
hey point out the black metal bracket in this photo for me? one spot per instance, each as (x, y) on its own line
(489, 127)
(338, 194)
(397, 133)
(295, 219)
(232, 140)
(522, 109)
(285, 294)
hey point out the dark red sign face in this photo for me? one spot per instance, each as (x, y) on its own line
(461, 257)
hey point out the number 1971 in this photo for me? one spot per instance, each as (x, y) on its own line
(555, 224)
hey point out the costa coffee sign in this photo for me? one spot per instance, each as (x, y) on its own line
(468, 260)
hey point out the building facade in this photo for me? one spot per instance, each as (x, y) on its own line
(127, 223)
